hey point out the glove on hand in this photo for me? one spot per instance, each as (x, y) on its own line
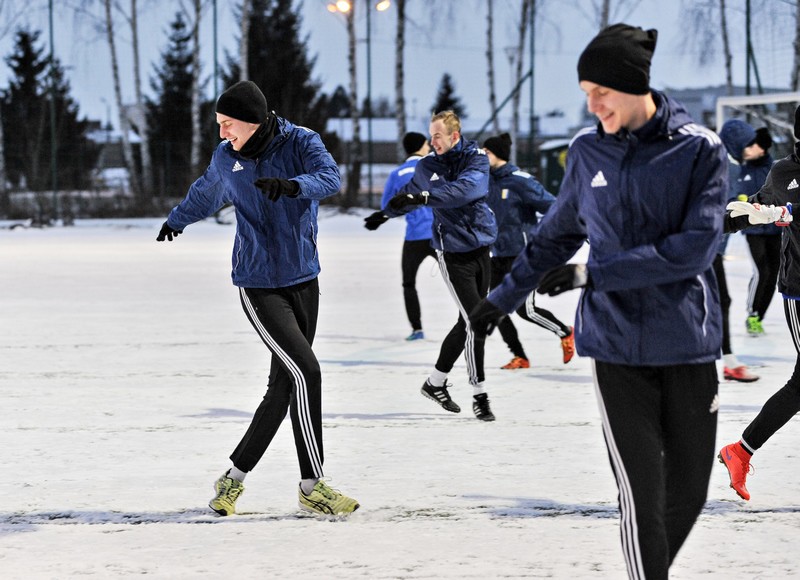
(402, 200)
(167, 233)
(485, 317)
(761, 214)
(563, 278)
(274, 187)
(373, 221)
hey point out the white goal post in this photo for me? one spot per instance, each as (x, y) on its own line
(747, 103)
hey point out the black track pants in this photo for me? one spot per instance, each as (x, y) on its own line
(784, 404)
(414, 252)
(286, 320)
(467, 278)
(660, 427)
(766, 254)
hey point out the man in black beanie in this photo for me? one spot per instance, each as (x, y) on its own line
(516, 197)
(645, 187)
(273, 173)
(419, 229)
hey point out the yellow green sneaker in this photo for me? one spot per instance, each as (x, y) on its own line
(326, 501)
(228, 491)
(754, 326)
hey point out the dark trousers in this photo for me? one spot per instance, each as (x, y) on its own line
(286, 320)
(784, 404)
(414, 252)
(528, 311)
(467, 277)
(725, 302)
(660, 426)
(766, 253)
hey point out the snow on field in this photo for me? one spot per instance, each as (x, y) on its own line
(128, 372)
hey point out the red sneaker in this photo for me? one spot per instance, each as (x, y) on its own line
(568, 345)
(740, 373)
(517, 363)
(737, 460)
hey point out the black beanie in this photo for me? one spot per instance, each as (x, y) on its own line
(413, 142)
(500, 145)
(244, 101)
(619, 58)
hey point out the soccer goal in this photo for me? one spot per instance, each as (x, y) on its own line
(773, 110)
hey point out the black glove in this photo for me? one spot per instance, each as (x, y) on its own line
(373, 221)
(485, 317)
(167, 233)
(274, 187)
(563, 278)
(403, 200)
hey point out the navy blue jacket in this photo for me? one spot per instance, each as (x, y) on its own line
(457, 183)
(515, 196)
(651, 204)
(276, 242)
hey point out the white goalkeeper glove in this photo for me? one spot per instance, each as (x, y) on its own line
(780, 215)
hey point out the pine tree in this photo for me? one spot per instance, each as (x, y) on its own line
(447, 100)
(279, 65)
(169, 119)
(26, 104)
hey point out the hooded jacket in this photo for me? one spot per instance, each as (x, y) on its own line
(515, 197)
(651, 204)
(457, 183)
(276, 242)
(746, 177)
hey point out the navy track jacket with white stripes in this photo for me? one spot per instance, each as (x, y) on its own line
(651, 204)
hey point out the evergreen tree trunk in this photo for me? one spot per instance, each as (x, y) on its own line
(127, 150)
(399, 77)
(490, 63)
(147, 163)
(197, 138)
(354, 174)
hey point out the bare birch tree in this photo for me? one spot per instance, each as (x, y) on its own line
(516, 97)
(795, 76)
(354, 173)
(604, 12)
(706, 22)
(138, 109)
(244, 40)
(399, 76)
(124, 123)
(490, 63)
(197, 136)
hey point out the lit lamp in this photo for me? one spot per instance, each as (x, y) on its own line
(344, 6)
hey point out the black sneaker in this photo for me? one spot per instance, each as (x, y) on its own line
(480, 406)
(440, 396)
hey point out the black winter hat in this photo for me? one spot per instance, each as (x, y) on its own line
(619, 58)
(500, 145)
(413, 142)
(763, 138)
(244, 101)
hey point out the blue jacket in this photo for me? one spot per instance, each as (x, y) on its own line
(419, 223)
(457, 183)
(747, 177)
(651, 204)
(276, 242)
(515, 196)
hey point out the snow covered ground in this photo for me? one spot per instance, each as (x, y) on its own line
(128, 372)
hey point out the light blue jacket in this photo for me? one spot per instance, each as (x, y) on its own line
(419, 223)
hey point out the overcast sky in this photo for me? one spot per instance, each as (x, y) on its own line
(455, 45)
